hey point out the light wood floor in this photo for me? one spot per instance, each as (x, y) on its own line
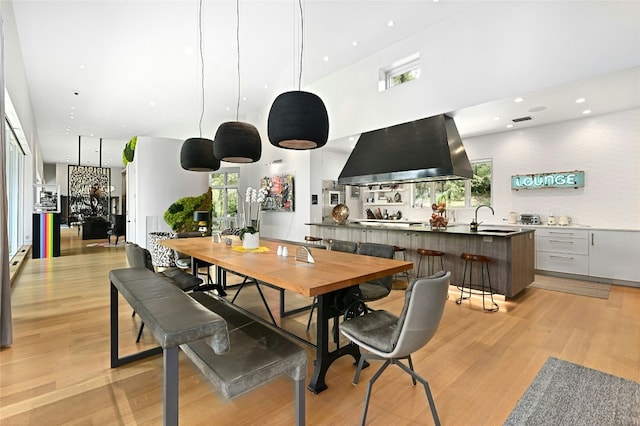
(478, 364)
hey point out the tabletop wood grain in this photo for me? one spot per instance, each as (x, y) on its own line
(331, 271)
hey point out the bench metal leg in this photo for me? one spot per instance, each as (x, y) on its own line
(170, 386)
(299, 392)
(116, 361)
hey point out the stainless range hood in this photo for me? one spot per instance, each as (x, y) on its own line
(428, 149)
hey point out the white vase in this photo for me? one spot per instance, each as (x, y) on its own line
(251, 241)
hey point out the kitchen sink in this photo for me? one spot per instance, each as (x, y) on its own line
(499, 231)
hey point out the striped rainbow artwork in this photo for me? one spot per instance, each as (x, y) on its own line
(47, 239)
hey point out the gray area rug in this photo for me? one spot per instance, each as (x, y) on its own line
(563, 393)
(564, 285)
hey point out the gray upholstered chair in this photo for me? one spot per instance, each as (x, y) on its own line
(334, 245)
(381, 287)
(139, 257)
(391, 338)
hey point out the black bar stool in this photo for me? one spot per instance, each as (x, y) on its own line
(483, 289)
(399, 285)
(431, 256)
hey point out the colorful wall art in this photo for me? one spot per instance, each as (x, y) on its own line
(280, 196)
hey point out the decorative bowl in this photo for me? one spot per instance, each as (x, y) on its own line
(340, 213)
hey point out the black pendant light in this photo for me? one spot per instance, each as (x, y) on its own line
(298, 119)
(236, 141)
(196, 154)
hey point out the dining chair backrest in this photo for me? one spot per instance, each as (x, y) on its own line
(345, 246)
(138, 257)
(421, 314)
(378, 250)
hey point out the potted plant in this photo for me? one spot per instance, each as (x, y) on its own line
(250, 232)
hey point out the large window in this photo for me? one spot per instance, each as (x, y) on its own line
(224, 198)
(456, 193)
(14, 159)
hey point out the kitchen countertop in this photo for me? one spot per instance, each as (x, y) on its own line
(459, 229)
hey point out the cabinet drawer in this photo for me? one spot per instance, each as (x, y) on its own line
(562, 232)
(563, 245)
(563, 262)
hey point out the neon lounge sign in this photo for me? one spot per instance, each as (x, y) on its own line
(574, 179)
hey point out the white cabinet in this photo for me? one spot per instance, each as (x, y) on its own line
(614, 254)
(562, 250)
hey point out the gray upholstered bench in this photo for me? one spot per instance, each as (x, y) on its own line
(236, 353)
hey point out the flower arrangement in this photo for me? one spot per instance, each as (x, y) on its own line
(252, 197)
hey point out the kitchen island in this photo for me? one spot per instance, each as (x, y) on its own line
(511, 249)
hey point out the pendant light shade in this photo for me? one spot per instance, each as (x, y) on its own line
(196, 155)
(237, 142)
(298, 120)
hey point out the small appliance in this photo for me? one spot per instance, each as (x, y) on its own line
(564, 221)
(529, 219)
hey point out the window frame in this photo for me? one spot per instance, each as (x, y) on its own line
(224, 221)
(403, 66)
(435, 191)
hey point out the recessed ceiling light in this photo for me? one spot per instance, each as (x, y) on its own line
(227, 108)
(509, 126)
(152, 103)
(82, 66)
(244, 98)
(390, 24)
(586, 111)
(497, 117)
(354, 43)
(580, 100)
(518, 99)
(72, 107)
(537, 109)
(266, 86)
(326, 59)
(351, 138)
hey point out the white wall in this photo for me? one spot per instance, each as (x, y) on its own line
(327, 165)
(606, 147)
(283, 225)
(473, 58)
(159, 182)
(16, 85)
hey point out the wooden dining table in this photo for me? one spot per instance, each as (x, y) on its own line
(331, 275)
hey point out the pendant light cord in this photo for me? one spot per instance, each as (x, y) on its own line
(301, 44)
(201, 65)
(238, 54)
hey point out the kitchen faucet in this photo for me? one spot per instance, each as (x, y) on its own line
(474, 223)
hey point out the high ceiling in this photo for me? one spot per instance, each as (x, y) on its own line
(113, 69)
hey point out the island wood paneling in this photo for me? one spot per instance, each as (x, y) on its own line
(512, 256)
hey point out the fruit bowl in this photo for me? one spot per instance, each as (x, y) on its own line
(340, 213)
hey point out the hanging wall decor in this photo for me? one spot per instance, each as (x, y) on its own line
(89, 191)
(280, 196)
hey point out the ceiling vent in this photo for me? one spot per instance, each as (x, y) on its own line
(517, 120)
